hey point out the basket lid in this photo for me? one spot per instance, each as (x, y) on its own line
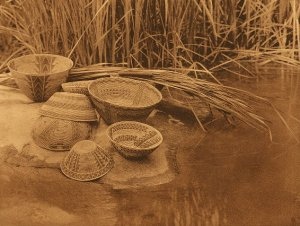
(86, 161)
(69, 106)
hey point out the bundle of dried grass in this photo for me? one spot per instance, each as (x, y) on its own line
(230, 101)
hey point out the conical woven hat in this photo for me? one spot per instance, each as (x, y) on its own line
(69, 106)
(86, 161)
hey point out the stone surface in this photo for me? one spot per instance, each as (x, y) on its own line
(17, 116)
(32, 155)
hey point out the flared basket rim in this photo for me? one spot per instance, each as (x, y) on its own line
(130, 147)
(71, 64)
(98, 174)
(119, 105)
(87, 176)
(62, 114)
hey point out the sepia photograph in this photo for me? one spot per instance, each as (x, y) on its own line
(149, 113)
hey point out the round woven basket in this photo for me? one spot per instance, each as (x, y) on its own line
(86, 161)
(118, 99)
(58, 134)
(134, 139)
(69, 106)
(76, 87)
(40, 75)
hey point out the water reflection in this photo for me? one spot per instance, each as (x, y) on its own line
(232, 175)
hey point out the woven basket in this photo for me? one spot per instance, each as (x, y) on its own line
(134, 139)
(86, 161)
(76, 87)
(119, 99)
(58, 134)
(69, 106)
(40, 75)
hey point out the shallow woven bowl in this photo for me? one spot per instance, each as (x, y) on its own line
(86, 161)
(58, 134)
(69, 106)
(40, 75)
(119, 99)
(134, 139)
(76, 87)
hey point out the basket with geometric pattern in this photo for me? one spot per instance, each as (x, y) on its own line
(40, 75)
(69, 106)
(86, 161)
(134, 139)
(118, 99)
(60, 135)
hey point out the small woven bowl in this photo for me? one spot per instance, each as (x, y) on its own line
(58, 134)
(118, 99)
(76, 87)
(134, 139)
(86, 161)
(40, 75)
(69, 106)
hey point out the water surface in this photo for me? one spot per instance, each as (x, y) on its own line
(234, 175)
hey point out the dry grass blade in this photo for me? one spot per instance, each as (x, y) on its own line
(211, 96)
(227, 99)
(238, 103)
(99, 10)
(155, 33)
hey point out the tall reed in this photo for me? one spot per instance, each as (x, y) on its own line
(155, 33)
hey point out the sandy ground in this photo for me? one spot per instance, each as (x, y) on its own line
(32, 196)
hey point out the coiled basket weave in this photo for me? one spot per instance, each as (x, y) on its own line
(77, 87)
(40, 75)
(117, 99)
(69, 106)
(134, 139)
(86, 161)
(58, 134)
(66, 118)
